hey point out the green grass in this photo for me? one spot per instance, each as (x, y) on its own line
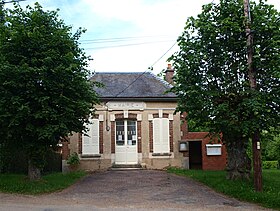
(15, 183)
(242, 190)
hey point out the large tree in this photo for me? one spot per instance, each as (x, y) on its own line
(212, 75)
(45, 93)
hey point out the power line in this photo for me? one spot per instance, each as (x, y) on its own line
(6, 2)
(127, 45)
(125, 38)
(163, 55)
(150, 68)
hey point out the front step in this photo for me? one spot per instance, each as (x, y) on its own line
(124, 167)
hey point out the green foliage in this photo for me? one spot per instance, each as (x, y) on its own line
(194, 127)
(16, 183)
(212, 74)
(270, 164)
(45, 93)
(73, 159)
(17, 163)
(240, 189)
(271, 144)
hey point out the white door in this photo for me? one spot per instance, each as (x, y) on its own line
(126, 142)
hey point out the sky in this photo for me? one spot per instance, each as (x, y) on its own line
(128, 35)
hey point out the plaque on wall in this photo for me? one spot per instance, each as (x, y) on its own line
(126, 105)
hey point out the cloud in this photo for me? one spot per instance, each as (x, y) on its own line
(154, 24)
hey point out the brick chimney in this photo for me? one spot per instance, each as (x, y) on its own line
(169, 73)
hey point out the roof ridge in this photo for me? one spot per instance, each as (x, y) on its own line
(161, 80)
(119, 72)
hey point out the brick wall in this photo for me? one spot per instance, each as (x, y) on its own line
(184, 125)
(139, 131)
(151, 136)
(100, 137)
(113, 137)
(171, 135)
(209, 162)
(65, 150)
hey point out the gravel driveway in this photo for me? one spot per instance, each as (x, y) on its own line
(128, 190)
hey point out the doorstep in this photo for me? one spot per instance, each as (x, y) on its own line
(124, 167)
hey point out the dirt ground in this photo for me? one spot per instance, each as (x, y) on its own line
(128, 190)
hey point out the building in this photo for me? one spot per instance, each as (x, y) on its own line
(136, 125)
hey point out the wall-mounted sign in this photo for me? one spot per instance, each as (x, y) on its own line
(183, 146)
(126, 105)
(213, 149)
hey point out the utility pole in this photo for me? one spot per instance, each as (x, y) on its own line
(257, 165)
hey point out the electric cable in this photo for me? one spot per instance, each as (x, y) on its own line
(127, 45)
(150, 68)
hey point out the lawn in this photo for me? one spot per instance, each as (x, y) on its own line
(16, 183)
(242, 190)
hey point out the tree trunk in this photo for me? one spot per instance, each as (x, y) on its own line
(34, 173)
(238, 162)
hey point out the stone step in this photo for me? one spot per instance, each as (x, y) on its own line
(126, 167)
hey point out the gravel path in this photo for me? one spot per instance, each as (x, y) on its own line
(128, 190)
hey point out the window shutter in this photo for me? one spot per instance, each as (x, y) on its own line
(165, 135)
(161, 135)
(156, 135)
(91, 141)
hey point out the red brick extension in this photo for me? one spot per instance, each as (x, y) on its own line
(209, 162)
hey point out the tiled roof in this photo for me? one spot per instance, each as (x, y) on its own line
(132, 85)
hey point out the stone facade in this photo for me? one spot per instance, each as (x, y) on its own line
(151, 132)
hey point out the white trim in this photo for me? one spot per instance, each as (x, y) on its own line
(150, 117)
(154, 109)
(125, 114)
(161, 157)
(214, 149)
(112, 117)
(124, 105)
(101, 117)
(172, 109)
(139, 117)
(160, 113)
(170, 116)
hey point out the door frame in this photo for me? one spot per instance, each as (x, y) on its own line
(126, 154)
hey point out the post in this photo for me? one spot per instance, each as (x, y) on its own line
(253, 85)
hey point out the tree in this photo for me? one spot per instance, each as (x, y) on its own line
(271, 144)
(45, 93)
(212, 75)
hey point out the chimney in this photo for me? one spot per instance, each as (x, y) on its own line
(169, 73)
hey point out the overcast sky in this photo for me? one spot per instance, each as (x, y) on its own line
(128, 35)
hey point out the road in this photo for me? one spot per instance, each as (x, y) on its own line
(128, 190)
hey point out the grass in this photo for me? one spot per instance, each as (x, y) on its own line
(242, 190)
(16, 183)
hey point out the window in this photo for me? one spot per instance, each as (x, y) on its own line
(126, 132)
(161, 135)
(90, 140)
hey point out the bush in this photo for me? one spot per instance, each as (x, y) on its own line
(73, 159)
(270, 164)
(12, 161)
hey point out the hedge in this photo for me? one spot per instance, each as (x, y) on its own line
(270, 165)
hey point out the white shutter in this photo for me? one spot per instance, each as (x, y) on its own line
(165, 135)
(156, 135)
(91, 141)
(160, 135)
